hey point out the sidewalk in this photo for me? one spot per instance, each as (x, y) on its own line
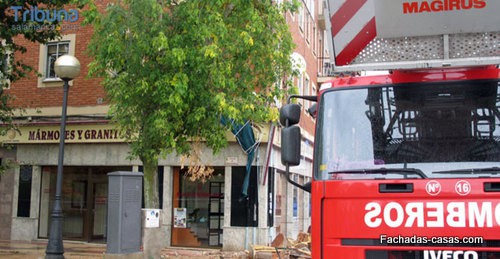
(36, 249)
(81, 250)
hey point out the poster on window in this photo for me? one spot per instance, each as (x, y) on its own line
(180, 218)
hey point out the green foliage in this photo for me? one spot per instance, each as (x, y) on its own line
(171, 70)
(7, 164)
(6, 113)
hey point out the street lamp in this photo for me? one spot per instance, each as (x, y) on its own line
(66, 67)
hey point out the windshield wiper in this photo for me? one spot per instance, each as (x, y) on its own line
(384, 171)
(487, 170)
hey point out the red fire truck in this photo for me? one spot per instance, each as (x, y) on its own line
(407, 164)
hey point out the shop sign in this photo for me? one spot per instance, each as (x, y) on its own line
(35, 134)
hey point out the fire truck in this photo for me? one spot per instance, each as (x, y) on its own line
(406, 164)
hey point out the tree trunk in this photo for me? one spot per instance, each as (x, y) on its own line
(150, 168)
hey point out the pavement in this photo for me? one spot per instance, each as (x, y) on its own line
(82, 250)
(36, 249)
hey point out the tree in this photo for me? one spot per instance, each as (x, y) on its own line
(172, 70)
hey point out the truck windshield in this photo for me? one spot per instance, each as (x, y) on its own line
(436, 130)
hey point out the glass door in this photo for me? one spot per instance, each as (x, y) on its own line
(84, 201)
(75, 207)
(99, 212)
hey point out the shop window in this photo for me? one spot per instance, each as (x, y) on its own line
(198, 210)
(244, 212)
(84, 201)
(24, 196)
(280, 194)
(160, 187)
(270, 197)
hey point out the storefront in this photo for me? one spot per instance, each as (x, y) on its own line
(84, 201)
(91, 152)
(208, 214)
(198, 210)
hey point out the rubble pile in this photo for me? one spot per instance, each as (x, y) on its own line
(298, 248)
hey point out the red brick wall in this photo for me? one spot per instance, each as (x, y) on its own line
(83, 92)
(306, 50)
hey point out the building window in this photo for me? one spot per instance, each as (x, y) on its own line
(300, 84)
(24, 196)
(160, 187)
(48, 55)
(314, 40)
(54, 50)
(314, 92)
(244, 210)
(307, 104)
(307, 26)
(301, 18)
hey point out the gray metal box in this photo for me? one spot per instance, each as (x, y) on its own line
(124, 212)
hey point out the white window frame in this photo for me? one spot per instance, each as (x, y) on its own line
(314, 42)
(43, 81)
(292, 14)
(301, 19)
(59, 45)
(300, 87)
(300, 84)
(307, 91)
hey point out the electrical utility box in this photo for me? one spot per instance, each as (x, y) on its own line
(124, 212)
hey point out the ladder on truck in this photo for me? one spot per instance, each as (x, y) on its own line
(387, 34)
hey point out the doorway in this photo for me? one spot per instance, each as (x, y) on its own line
(99, 211)
(84, 201)
(198, 210)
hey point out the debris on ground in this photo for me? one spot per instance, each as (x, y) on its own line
(298, 248)
(198, 253)
(301, 247)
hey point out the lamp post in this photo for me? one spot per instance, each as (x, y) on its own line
(67, 68)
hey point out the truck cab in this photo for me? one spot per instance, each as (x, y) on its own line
(406, 165)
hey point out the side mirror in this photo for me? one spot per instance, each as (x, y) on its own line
(291, 138)
(312, 110)
(290, 146)
(307, 187)
(290, 113)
